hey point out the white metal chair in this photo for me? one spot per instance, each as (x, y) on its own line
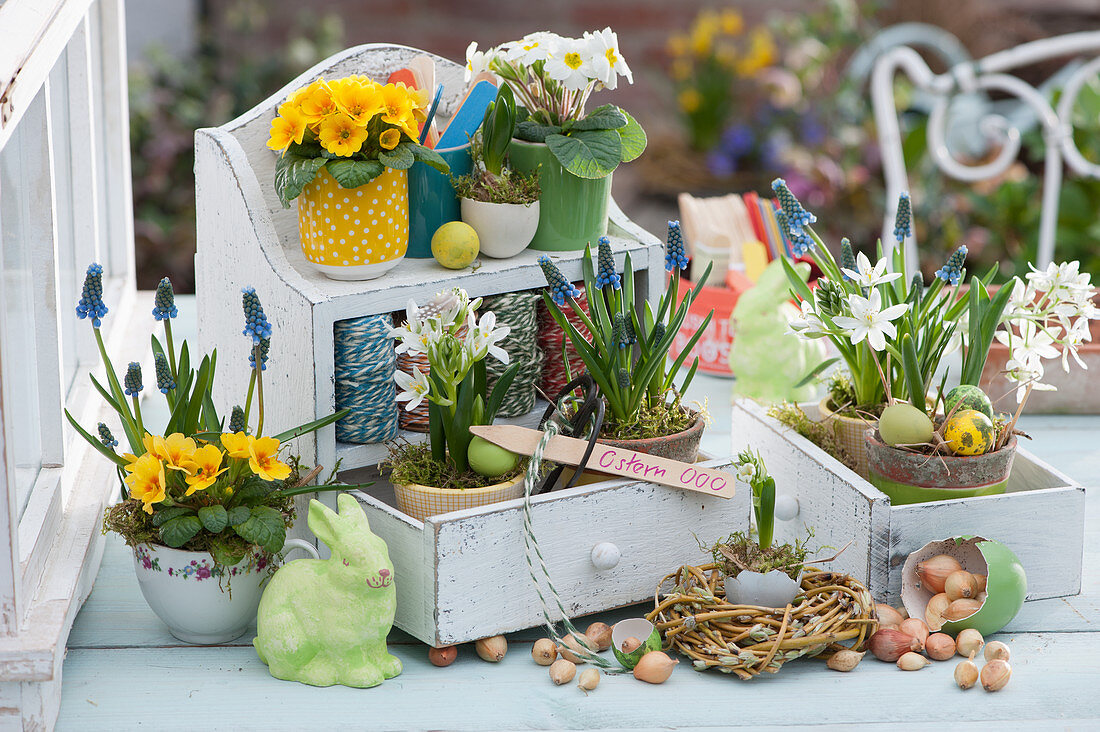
(1002, 131)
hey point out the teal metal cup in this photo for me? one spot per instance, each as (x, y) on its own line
(432, 199)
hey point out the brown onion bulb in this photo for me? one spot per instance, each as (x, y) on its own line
(933, 571)
(888, 644)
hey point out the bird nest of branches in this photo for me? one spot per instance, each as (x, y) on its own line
(834, 612)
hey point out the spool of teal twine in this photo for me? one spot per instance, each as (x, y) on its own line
(519, 311)
(365, 363)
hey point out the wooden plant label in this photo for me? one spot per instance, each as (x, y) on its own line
(611, 459)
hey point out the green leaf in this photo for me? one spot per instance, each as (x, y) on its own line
(238, 515)
(606, 117)
(815, 371)
(265, 528)
(355, 173)
(293, 173)
(227, 554)
(632, 137)
(167, 514)
(400, 158)
(178, 531)
(430, 157)
(536, 132)
(106, 452)
(589, 153)
(214, 518)
(311, 426)
(914, 379)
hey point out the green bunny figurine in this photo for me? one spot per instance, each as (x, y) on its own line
(325, 621)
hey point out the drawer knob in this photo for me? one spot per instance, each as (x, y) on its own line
(605, 555)
(786, 507)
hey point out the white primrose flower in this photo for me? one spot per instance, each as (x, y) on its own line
(477, 61)
(414, 388)
(482, 338)
(867, 276)
(571, 64)
(532, 47)
(607, 59)
(868, 321)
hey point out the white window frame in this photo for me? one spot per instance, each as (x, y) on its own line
(63, 86)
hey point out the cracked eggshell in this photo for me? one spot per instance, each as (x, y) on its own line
(1006, 585)
(639, 628)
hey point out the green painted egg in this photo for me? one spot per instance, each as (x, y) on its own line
(969, 432)
(490, 460)
(904, 424)
(968, 396)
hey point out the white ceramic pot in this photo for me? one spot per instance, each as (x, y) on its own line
(773, 589)
(503, 229)
(200, 602)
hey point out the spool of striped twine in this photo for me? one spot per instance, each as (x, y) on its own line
(557, 349)
(519, 311)
(364, 364)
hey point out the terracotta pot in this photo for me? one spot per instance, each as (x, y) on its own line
(849, 433)
(1077, 392)
(682, 446)
(909, 477)
(422, 501)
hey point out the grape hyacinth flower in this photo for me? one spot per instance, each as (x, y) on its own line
(560, 288)
(618, 330)
(263, 348)
(106, 437)
(903, 226)
(847, 258)
(164, 303)
(91, 296)
(675, 255)
(236, 420)
(606, 274)
(952, 271)
(795, 218)
(132, 381)
(165, 382)
(256, 324)
(258, 328)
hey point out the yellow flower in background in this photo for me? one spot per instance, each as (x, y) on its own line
(264, 459)
(146, 480)
(702, 34)
(289, 126)
(761, 54)
(203, 468)
(389, 139)
(690, 100)
(357, 100)
(678, 44)
(236, 444)
(732, 23)
(340, 135)
(174, 450)
(681, 69)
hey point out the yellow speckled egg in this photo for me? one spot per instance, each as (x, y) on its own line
(969, 432)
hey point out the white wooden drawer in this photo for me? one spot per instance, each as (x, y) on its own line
(1040, 517)
(463, 576)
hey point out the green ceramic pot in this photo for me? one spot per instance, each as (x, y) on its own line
(909, 477)
(572, 210)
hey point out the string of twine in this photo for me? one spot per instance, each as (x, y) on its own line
(536, 564)
(364, 363)
(519, 311)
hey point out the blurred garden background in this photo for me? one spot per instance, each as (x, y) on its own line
(732, 94)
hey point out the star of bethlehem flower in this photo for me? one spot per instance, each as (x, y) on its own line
(414, 387)
(1030, 346)
(869, 321)
(867, 276)
(746, 472)
(806, 324)
(482, 338)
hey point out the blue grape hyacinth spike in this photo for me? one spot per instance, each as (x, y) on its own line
(560, 288)
(91, 303)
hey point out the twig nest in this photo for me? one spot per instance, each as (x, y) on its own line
(1005, 585)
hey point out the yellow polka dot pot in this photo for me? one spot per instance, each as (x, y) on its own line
(355, 233)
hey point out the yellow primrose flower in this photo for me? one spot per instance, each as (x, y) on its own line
(317, 103)
(420, 102)
(357, 100)
(398, 108)
(690, 100)
(203, 468)
(174, 450)
(288, 127)
(146, 480)
(236, 444)
(389, 139)
(264, 459)
(731, 21)
(341, 136)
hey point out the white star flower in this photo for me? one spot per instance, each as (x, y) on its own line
(868, 321)
(482, 338)
(414, 388)
(867, 276)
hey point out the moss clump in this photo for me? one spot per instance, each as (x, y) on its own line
(739, 552)
(665, 418)
(413, 463)
(818, 433)
(508, 187)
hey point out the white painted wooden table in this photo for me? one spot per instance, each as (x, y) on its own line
(124, 671)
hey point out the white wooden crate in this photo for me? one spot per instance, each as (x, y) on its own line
(1040, 517)
(246, 238)
(462, 576)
